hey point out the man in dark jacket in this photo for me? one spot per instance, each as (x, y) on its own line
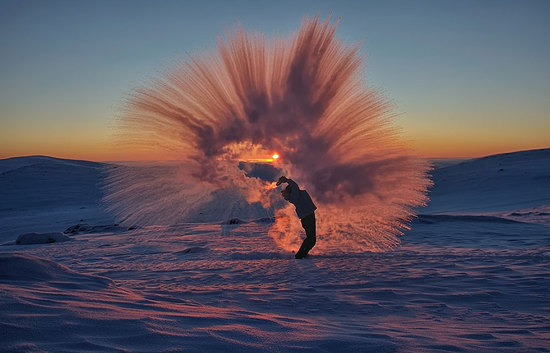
(305, 208)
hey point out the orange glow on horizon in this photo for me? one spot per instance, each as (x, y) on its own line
(103, 150)
(434, 148)
(105, 154)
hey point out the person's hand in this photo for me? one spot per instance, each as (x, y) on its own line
(281, 180)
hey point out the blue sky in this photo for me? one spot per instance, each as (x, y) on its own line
(467, 77)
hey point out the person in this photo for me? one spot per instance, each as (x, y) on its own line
(305, 209)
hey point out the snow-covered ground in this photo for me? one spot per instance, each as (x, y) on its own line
(470, 276)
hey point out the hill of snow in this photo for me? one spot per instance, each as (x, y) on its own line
(502, 182)
(44, 194)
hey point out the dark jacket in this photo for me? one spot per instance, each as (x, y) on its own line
(300, 199)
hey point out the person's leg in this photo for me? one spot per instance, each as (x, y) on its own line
(308, 223)
(307, 245)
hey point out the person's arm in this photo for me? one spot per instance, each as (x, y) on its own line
(281, 180)
(294, 190)
(292, 184)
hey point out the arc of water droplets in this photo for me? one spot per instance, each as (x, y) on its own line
(302, 97)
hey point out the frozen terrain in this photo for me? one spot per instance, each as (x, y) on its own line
(470, 276)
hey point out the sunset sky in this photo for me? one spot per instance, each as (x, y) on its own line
(467, 78)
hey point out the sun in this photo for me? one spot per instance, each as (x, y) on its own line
(275, 156)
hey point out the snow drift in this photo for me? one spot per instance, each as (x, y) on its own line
(29, 268)
(41, 238)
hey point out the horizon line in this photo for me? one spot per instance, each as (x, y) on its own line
(176, 160)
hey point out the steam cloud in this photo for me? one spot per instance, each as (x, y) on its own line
(302, 98)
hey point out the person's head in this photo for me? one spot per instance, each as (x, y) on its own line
(285, 193)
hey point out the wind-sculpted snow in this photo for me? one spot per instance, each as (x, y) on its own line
(15, 267)
(302, 98)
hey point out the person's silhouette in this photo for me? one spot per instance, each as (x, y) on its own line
(305, 208)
